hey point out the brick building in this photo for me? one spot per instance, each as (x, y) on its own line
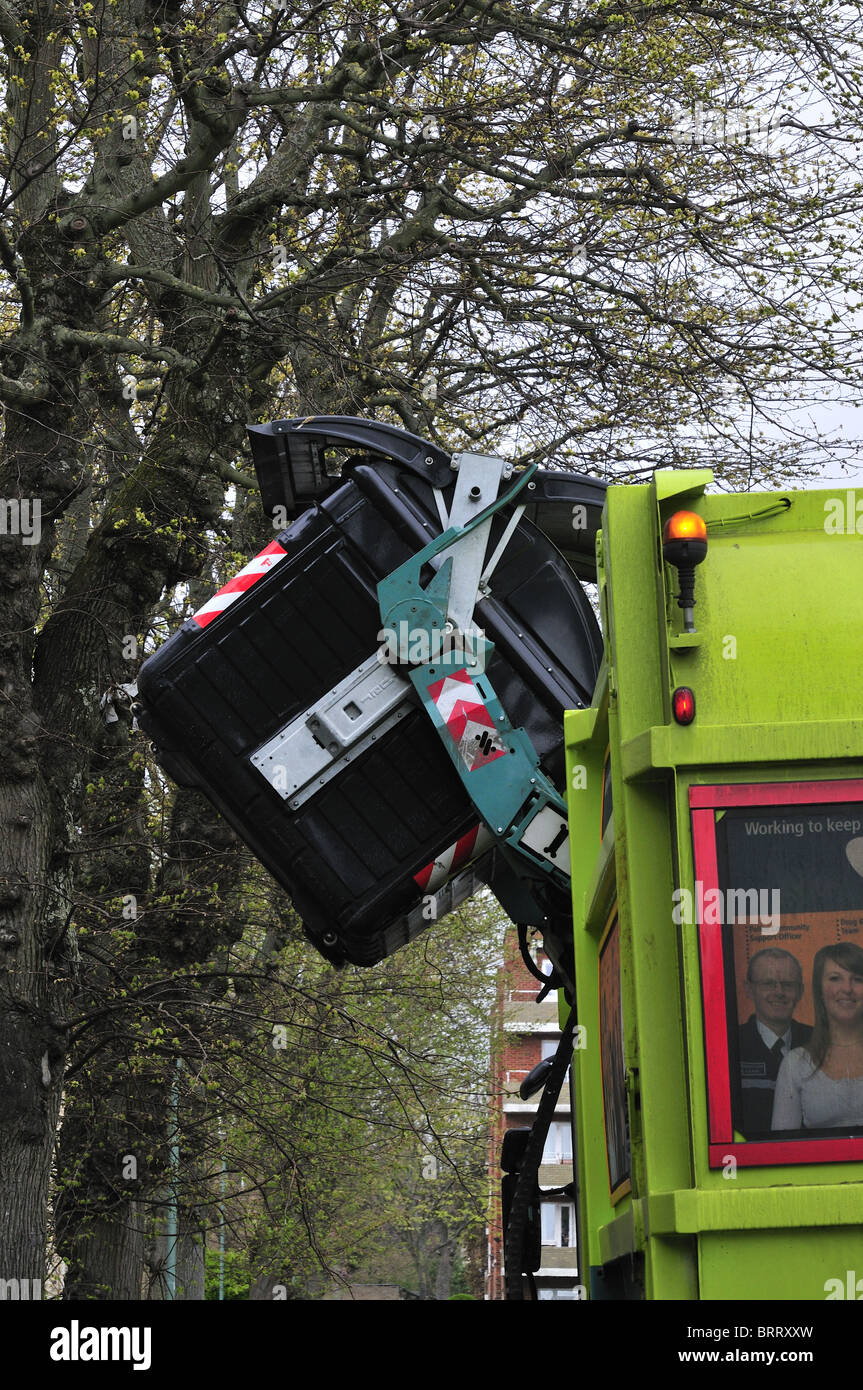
(525, 1033)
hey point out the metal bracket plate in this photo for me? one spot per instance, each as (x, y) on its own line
(547, 834)
(479, 477)
(313, 748)
(497, 764)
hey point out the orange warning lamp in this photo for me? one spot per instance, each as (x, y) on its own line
(684, 545)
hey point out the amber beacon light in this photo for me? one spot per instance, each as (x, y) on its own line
(684, 545)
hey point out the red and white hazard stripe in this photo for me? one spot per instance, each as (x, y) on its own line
(470, 725)
(453, 859)
(262, 564)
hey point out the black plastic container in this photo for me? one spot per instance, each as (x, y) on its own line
(229, 681)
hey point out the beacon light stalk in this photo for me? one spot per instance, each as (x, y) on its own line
(684, 545)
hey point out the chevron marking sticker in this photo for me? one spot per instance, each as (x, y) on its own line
(471, 727)
(453, 858)
(263, 562)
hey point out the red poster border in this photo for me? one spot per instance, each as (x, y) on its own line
(703, 802)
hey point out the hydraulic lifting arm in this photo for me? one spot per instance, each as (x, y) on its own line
(497, 763)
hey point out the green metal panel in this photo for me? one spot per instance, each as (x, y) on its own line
(773, 1265)
(775, 666)
(593, 896)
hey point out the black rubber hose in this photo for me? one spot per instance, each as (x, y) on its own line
(525, 1189)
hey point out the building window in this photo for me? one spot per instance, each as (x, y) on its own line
(549, 1047)
(558, 1224)
(558, 1144)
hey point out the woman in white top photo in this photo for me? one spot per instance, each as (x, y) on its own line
(820, 1085)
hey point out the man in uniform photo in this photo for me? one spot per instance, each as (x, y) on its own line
(774, 983)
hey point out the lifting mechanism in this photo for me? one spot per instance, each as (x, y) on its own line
(414, 606)
(375, 702)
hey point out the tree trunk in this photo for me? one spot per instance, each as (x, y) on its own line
(106, 1261)
(443, 1274)
(27, 1164)
(189, 1261)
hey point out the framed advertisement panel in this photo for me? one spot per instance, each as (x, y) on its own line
(779, 908)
